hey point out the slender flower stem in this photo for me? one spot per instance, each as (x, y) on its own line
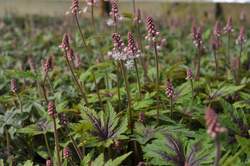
(118, 85)
(20, 102)
(124, 72)
(78, 151)
(138, 78)
(171, 107)
(76, 80)
(47, 145)
(241, 48)
(157, 82)
(228, 49)
(142, 59)
(92, 16)
(98, 91)
(56, 142)
(192, 88)
(218, 151)
(7, 141)
(216, 64)
(82, 36)
(134, 9)
(197, 72)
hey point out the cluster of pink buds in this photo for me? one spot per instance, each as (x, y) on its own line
(51, 109)
(197, 37)
(152, 32)
(70, 54)
(49, 162)
(141, 117)
(63, 120)
(75, 7)
(213, 126)
(13, 86)
(66, 152)
(77, 62)
(217, 29)
(169, 89)
(189, 74)
(216, 42)
(137, 18)
(48, 64)
(229, 27)
(242, 37)
(65, 42)
(114, 13)
(132, 48)
(31, 64)
(118, 51)
(91, 2)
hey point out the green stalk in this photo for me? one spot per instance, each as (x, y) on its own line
(7, 141)
(228, 49)
(171, 107)
(98, 91)
(142, 59)
(78, 151)
(47, 145)
(192, 88)
(76, 80)
(138, 78)
(218, 151)
(216, 64)
(157, 82)
(81, 34)
(56, 142)
(19, 101)
(240, 54)
(197, 71)
(124, 73)
(118, 86)
(134, 7)
(92, 17)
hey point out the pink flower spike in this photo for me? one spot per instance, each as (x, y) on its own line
(213, 126)
(75, 7)
(229, 27)
(13, 85)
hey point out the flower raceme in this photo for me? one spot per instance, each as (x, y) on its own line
(66, 153)
(118, 51)
(189, 74)
(197, 37)
(217, 29)
(51, 109)
(132, 49)
(213, 126)
(48, 64)
(152, 32)
(169, 89)
(91, 2)
(70, 54)
(114, 13)
(13, 86)
(229, 26)
(75, 7)
(65, 42)
(242, 37)
(49, 162)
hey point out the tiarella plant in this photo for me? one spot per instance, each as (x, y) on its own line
(107, 96)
